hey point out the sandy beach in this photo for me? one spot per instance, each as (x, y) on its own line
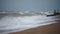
(47, 29)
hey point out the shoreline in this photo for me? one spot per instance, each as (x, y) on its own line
(48, 22)
(47, 29)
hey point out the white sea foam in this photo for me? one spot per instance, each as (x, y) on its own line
(12, 24)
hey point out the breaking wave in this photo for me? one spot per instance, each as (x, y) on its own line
(12, 22)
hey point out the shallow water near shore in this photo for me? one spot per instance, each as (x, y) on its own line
(10, 24)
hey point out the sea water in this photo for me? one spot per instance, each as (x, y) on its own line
(9, 24)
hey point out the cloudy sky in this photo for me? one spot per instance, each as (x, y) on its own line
(29, 5)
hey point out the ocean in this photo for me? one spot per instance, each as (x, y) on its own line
(10, 22)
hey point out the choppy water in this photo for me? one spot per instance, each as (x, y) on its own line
(18, 23)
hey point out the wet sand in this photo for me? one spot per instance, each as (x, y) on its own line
(47, 29)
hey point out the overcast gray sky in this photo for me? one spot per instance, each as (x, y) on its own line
(29, 5)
